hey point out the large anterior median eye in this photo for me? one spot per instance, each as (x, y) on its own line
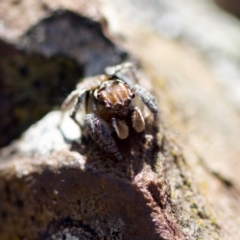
(117, 107)
(127, 102)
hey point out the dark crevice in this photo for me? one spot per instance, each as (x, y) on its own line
(37, 74)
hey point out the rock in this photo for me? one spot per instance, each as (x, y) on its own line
(55, 189)
(179, 183)
(195, 71)
(31, 85)
(230, 6)
(45, 63)
(85, 43)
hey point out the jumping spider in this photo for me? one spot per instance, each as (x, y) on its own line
(108, 101)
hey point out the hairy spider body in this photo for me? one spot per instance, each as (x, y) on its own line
(109, 106)
(113, 98)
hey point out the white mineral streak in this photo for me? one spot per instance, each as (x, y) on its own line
(50, 137)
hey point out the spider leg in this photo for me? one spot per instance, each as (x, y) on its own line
(74, 98)
(124, 71)
(147, 99)
(76, 108)
(101, 135)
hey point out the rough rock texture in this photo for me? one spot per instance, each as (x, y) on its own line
(82, 192)
(196, 76)
(44, 62)
(30, 86)
(179, 183)
(79, 38)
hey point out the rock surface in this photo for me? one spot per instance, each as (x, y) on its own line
(30, 86)
(56, 190)
(44, 62)
(196, 76)
(179, 183)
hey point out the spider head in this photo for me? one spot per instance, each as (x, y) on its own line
(115, 95)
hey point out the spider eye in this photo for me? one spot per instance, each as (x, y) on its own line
(117, 107)
(127, 102)
(107, 105)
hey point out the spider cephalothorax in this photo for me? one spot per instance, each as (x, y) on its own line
(115, 94)
(109, 106)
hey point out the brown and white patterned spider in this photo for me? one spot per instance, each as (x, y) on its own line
(108, 102)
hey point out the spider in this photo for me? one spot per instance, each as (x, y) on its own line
(108, 102)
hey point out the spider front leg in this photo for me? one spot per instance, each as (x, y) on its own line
(147, 99)
(125, 71)
(73, 101)
(101, 135)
